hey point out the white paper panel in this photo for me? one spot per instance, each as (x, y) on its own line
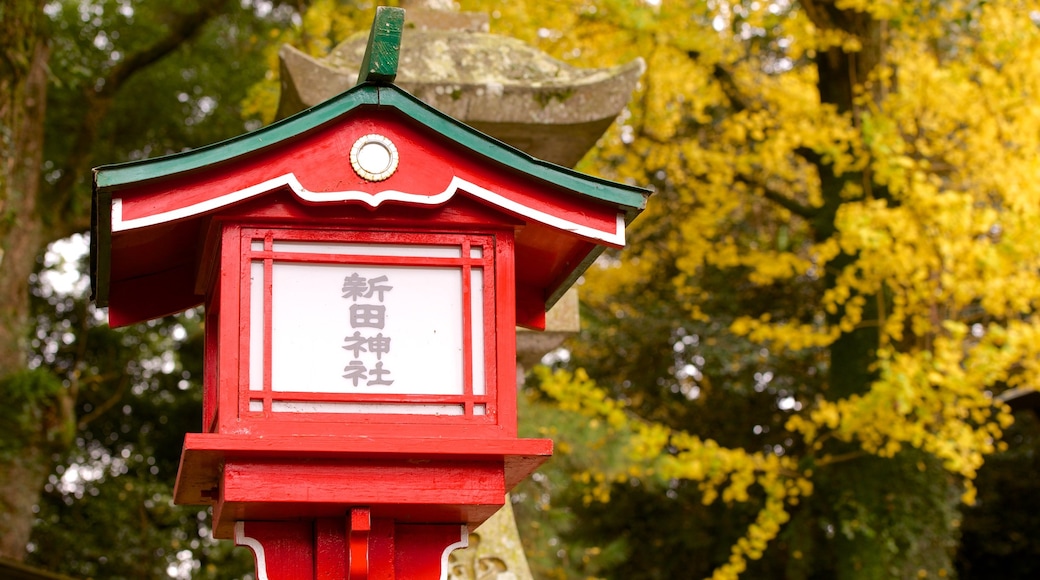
(341, 249)
(256, 325)
(420, 313)
(349, 408)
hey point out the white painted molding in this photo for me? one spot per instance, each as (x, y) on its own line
(241, 539)
(462, 543)
(615, 237)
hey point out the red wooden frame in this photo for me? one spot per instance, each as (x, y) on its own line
(229, 311)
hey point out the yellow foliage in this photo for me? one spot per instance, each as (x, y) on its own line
(653, 450)
(935, 244)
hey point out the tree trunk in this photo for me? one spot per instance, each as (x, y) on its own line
(875, 533)
(36, 413)
(24, 51)
(20, 482)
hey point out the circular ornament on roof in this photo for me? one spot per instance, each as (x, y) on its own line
(374, 157)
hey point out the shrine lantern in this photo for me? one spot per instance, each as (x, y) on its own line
(363, 266)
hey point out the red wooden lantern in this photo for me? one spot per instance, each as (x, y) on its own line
(363, 266)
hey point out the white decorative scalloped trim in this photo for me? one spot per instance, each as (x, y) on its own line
(241, 539)
(616, 237)
(462, 543)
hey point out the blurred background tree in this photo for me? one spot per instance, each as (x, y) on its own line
(88, 414)
(837, 273)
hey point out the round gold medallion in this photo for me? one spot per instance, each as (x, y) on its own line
(374, 157)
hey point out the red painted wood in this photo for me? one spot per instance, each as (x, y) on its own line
(427, 166)
(359, 543)
(204, 453)
(467, 322)
(230, 339)
(375, 483)
(431, 480)
(143, 257)
(167, 292)
(283, 209)
(268, 292)
(382, 546)
(281, 550)
(420, 553)
(210, 375)
(318, 549)
(539, 268)
(330, 549)
(504, 368)
(499, 342)
(374, 496)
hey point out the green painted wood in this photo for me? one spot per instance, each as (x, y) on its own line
(100, 245)
(384, 46)
(121, 175)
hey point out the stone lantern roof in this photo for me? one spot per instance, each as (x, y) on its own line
(495, 84)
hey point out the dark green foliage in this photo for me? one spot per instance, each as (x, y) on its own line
(1000, 535)
(107, 510)
(29, 403)
(847, 507)
(116, 403)
(184, 99)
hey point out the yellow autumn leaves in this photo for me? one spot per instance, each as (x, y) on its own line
(936, 239)
(652, 450)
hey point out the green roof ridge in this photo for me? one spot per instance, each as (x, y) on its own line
(122, 174)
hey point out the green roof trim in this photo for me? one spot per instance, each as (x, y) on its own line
(631, 199)
(384, 46)
(627, 196)
(100, 245)
(119, 175)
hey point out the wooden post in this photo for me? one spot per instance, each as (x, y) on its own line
(356, 547)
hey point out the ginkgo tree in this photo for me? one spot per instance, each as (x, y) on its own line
(844, 226)
(877, 162)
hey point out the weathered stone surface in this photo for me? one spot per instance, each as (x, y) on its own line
(496, 84)
(561, 322)
(494, 552)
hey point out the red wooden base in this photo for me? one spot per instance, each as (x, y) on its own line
(355, 547)
(408, 480)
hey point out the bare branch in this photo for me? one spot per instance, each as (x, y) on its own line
(798, 209)
(124, 383)
(64, 215)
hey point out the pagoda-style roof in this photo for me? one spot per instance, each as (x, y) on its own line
(496, 84)
(150, 215)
